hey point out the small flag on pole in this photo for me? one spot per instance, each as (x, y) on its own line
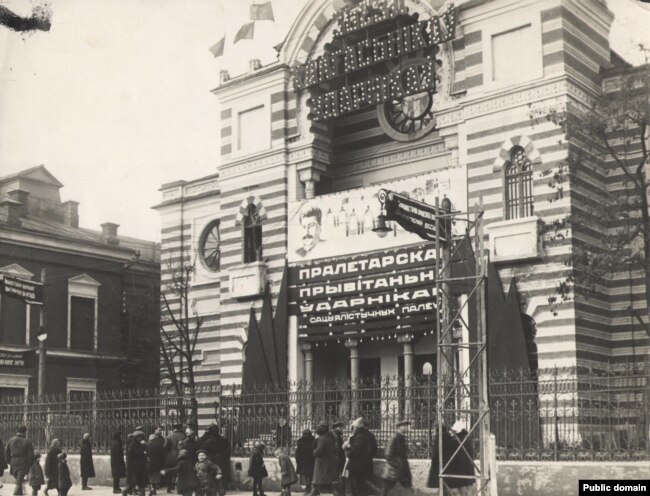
(217, 48)
(262, 12)
(245, 32)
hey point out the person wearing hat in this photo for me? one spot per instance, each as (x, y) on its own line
(208, 475)
(65, 482)
(218, 450)
(257, 470)
(360, 456)
(18, 454)
(337, 432)
(155, 459)
(305, 458)
(172, 445)
(325, 470)
(461, 464)
(136, 465)
(118, 467)
(397, 467)
(190, 443)
(52, 466)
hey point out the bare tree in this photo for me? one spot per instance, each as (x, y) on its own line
(611, 135)
(180, 326)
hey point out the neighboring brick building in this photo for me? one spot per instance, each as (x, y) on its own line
(100, 295)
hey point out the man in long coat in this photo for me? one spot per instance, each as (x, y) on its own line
(118, 467)
(156, 459)
(217, 448)
(325, 472)
(359, 450)
(19, 453)
(172, 445)
(397, 464)
(86, 465)
(136, 462)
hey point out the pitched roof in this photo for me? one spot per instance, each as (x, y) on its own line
(38, 173)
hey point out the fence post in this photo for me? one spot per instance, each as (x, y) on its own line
(555, 417)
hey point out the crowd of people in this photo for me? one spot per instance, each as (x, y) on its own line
(178, 462)
(328, 462)
(181, 462)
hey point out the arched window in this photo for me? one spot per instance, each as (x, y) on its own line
(519, 184)
(252, 235)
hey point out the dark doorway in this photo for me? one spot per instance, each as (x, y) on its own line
(370, 390)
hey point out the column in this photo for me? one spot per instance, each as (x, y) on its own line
(309, 177)
(353, 346)
(305, 412)
(407, 342)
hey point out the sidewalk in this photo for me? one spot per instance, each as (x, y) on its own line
(8, 490)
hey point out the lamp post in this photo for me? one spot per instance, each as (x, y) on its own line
(42, 337)
(427, 369)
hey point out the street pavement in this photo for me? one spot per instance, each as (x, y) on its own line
(8, 490)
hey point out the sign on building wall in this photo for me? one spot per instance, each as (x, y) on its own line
(29, 291)
(372, 293)
(341, 224)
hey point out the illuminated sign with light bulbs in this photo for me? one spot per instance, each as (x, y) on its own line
(356, 53)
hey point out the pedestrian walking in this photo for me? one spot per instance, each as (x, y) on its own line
(461, 464)
(136, 465)
(208, 475)
(217, 448)
(287, 471)
(257, 470)
(118, 467)
(190, 443)
(52, 466)
(305, 458)
(172, 445)
(156, 459)
(360, 464)
(86, 466)
(19, 454)
(186, 479)
(324, 460)
(337, 431)
(3, 461)
(283, 434)
(65, 482)
(397, 467)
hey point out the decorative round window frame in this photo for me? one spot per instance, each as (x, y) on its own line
(205, 233)
(385, 111)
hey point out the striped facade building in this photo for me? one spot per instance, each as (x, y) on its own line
(510, 64)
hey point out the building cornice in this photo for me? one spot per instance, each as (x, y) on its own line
(53, 243)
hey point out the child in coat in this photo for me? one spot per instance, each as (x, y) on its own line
(209, 475)
(65, 483)
(287, 470)
(257, 470)
(36, 477)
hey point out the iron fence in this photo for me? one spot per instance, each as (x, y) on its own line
(557, 414)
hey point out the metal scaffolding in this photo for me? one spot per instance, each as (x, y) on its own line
(462, 379)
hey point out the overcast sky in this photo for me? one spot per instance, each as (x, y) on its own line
(115, 99)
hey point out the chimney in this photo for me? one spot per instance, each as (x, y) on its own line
(253, 65)
(13, 212)
(20, 196)
(224, 76)
(71, 213)
(109, 233)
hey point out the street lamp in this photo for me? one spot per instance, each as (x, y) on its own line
(42, 337)
(381, 228)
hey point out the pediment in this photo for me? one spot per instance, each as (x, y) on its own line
(16, 271)
(83, 279)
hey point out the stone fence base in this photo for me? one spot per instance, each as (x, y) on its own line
(514, 478)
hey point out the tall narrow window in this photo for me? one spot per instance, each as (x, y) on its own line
(519, 184)
(252, 235)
